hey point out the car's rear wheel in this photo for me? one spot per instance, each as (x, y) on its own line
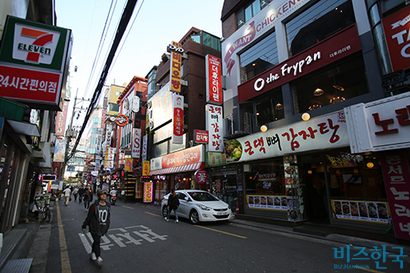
(193, 217)
(164, 212)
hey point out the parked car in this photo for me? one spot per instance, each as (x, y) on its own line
(199, 206)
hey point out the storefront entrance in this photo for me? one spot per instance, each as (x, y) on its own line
(312, 177)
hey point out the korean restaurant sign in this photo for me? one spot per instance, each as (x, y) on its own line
(178, 119)
(145, 168)
(396, 29)
(136, 143)
(213, 79)
(325, 132)
(61, 120)
(184, 157)
(176, 63)
(34, 62)
(379, 125)
(214, 125)
(201, 136)
(330, 50)
(396, 174)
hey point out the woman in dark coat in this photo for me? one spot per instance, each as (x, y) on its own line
(173, 204)
(98, 222)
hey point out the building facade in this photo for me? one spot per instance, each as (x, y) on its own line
(293, 70)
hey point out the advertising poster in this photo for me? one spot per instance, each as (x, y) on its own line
(59, 150)
(269, 202)
(375, 212)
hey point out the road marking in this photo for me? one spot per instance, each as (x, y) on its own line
(65, 260)
(127, 207)
(227, 233)
(153, 214)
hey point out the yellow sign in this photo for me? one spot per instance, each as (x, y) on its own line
(145, 168)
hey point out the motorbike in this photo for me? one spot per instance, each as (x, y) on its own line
(113, 199)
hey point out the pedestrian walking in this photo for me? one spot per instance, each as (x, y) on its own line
(67, 195)
(81, 194)
(75, 193)
(173, 204)
(88, 198)
(98, 222)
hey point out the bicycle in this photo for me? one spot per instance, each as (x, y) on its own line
(43, 208)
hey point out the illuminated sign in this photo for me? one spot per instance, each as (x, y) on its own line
(175, 69)
(213, 79)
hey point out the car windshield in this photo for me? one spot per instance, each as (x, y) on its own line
(202, 196)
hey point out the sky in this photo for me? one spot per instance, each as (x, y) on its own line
(153, 26)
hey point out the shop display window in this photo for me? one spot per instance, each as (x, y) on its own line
(318, 22)
(336, 83)
(265, 178)
(225, 188)
(357, 177)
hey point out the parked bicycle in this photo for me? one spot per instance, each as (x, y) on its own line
(43, 208)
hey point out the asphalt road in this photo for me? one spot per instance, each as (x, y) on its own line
(141, 241)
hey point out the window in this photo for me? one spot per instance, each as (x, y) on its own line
(94, 131)
(266, 178)
(243, 15)
(96, 120)
(318, 22)
(337, 83)
(211, 41)
(117, 93)
(269, 108)
(259, 58)
(114, 107)
(93, 140)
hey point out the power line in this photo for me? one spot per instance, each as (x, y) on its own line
(125, 18)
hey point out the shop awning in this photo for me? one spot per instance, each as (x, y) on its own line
(179, 169)
(24, 128)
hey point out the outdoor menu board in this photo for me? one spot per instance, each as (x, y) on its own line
(274, 202)
(375, 212)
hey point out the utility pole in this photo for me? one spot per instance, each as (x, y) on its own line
(71, 133)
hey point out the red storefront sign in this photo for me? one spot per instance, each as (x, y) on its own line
(396, 176)
(201, 136)
(213, 79)
(29, 85)
(187, 156)
(396, 29)
(201, 176)
(343, 44)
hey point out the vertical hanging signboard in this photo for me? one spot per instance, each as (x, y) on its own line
(176, 63)
(214, 125)
(136, 143)
(213, 80)
(178, 119)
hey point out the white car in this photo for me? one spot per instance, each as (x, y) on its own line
(199, 206)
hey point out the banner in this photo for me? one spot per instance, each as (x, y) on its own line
(59, 151)
(178, 119)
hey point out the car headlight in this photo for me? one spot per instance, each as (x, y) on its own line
(203, 207)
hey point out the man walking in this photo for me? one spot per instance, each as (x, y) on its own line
(81, 194)
(67, 194)
(173, 204)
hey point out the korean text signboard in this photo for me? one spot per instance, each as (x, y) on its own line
(214, 125)
(61, 120)
(396, 28)
(178, 119)
(176, 63)
(136, 143)
(318, 133)
(213, 79)
(328, 51)
(184, 157)
(33, 62)
(396, 176)
(379, 125)
(148, 192)
(201, 136)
